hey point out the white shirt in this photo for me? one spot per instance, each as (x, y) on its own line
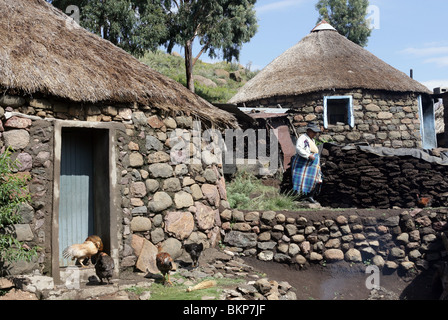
(305, 146)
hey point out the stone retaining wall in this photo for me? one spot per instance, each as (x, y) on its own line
(398, 240)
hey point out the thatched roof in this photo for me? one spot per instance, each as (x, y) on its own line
(325, 60)
(44, 51)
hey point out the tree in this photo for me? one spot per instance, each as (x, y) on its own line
(219, 25)
(140, 25)
(133, 25)
(12, 195)
(348, 17)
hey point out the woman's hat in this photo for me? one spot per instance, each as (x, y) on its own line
(313, 127)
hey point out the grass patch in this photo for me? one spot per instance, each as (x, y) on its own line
(247, 192)
(178, 291)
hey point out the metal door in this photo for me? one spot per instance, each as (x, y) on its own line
(427, 123)
(76, 206)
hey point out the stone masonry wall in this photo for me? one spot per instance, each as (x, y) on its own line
(381, 118)
(399, 240)
(162, 199)
(360, 179)
(33, 144)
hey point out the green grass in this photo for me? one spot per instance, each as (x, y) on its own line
(174, 68)
(178, 291)
(247, 192)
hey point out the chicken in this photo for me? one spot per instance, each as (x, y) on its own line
(195, 250)
(104, 266)
(83, 250)
(165, 264)
(97, 240)
(423, 202)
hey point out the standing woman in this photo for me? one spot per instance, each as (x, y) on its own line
(306, 173)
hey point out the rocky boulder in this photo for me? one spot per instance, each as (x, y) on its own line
(180, 224)
(241, 239)
(204, 216)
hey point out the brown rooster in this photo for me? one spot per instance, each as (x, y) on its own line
(165, 264)
(83, 250)
(97, 241)
(423, 202)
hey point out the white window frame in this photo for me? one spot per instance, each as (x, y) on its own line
(350, 113)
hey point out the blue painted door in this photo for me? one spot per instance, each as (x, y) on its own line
(76, 217)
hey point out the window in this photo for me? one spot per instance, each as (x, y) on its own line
(338, 109)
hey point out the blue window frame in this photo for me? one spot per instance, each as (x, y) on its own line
(338, 109)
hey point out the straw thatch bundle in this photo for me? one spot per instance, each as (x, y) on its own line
(43, 50)
(325, 60)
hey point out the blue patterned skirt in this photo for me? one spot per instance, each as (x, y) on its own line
(305, 173)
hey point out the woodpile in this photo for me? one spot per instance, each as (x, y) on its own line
(356, 178)
(442, 272)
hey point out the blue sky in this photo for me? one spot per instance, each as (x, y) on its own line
(409, 34)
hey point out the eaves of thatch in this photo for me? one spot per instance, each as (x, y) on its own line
(44, 51)
(325, 60)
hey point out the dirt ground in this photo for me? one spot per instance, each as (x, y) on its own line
(341, 281)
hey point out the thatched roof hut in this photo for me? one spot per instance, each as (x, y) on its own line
(110, 147)
(325, 60)
(43, 50)
(350, 92)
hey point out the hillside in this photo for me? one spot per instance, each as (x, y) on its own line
(215, 82)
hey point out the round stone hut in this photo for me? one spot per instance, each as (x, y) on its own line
(355, 96)
(105, 143)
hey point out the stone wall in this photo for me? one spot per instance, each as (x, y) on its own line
(163, 201)
(360, 179)
(162, 198)
(381, 118)
(392, 240)
(33, 143)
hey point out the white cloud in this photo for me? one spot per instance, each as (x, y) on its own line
(434, 53)
(278, 5)
(431, 84)
(424, 52)
(439, 61)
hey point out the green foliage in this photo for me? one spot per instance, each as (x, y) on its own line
(133, 25)
(178, 291)
(247, 192)
(219, 25)
(348, 17)
(11, 190)
(174, 68)
(12, 194)
(140, 25)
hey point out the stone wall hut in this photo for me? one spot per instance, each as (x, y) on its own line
(354, 95)
(93, 128)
